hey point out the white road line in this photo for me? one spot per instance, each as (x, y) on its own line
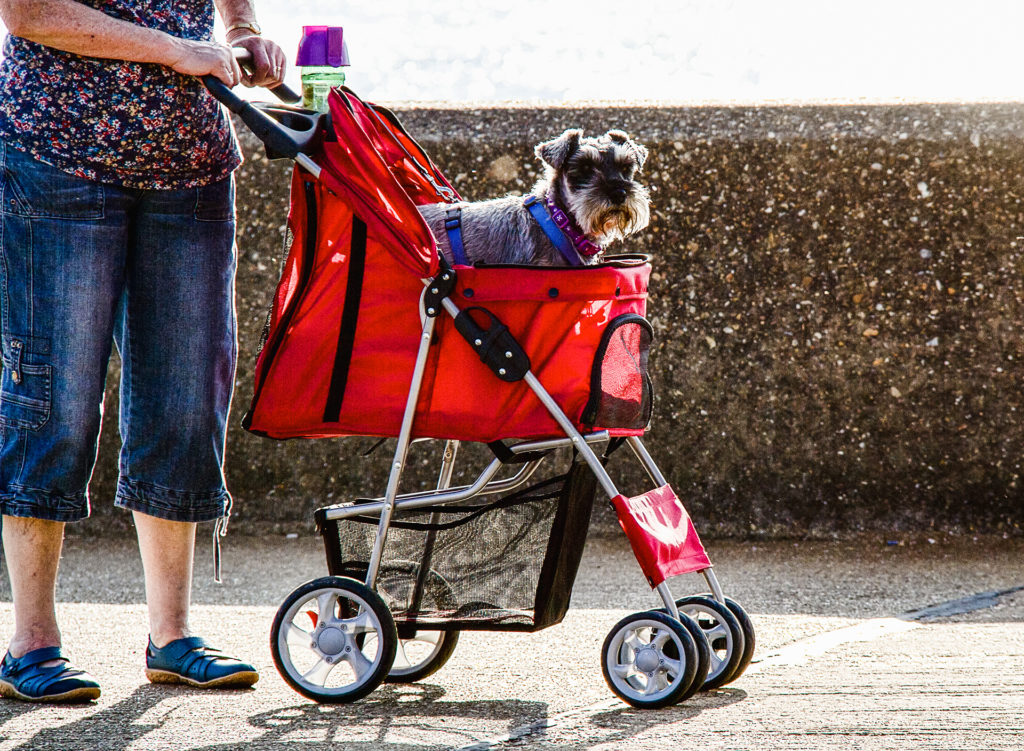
(810, 647)
(796, 653)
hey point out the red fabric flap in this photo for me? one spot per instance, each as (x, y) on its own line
(363, 167)
(661, 533)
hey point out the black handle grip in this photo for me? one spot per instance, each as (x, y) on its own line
(285, 93)
(282, 91)
(285, 132)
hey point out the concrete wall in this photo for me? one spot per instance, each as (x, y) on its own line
(837, 301)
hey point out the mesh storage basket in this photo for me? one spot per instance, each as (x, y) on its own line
(494, 564)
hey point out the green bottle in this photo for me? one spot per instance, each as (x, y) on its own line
(322, 54)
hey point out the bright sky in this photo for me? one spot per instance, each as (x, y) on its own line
(676, 50)
(682, 50)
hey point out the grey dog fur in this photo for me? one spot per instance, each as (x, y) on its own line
(587, 177)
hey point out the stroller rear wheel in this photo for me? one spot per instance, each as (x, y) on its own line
(420, 652)
(723, 633)
(649, 660)
(333, 640)
(749, 639)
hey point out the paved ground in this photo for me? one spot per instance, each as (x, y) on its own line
(871, 644)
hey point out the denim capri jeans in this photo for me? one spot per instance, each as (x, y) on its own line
(85, 264)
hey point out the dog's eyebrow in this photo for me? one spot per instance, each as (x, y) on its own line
(589, 153)
(625, 156)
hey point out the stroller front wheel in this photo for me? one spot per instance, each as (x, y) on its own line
(650, 660)
(333, 640)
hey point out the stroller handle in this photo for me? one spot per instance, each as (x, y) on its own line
(286, 132)
(281, 91)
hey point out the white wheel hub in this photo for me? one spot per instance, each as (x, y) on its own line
(331, 641)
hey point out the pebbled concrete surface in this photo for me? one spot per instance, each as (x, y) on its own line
(837, 666)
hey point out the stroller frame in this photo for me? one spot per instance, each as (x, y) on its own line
(714, 660)
(484, 484)
(650, 659)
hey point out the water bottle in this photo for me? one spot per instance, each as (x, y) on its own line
(322, 53)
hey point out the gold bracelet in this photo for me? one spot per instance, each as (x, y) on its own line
(250, 25)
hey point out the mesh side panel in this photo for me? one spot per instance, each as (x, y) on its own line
(289, 238)
(486, 571)
(620, 392)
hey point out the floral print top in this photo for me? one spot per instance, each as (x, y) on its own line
(139, 125)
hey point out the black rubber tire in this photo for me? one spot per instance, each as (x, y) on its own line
(703, 656)
(723, 615)
(682, 643)
(385, 630)
(749, 638)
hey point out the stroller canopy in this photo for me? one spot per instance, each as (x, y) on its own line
(386, 174)
(342, 340)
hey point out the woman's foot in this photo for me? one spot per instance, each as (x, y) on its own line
(45, 675)
(192, 662)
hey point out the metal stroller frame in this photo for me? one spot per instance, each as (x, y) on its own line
(706, 640)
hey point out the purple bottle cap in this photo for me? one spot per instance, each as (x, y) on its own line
(322, 45)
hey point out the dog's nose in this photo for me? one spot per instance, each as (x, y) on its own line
(618, 195)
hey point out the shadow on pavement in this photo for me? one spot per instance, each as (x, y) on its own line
(395, 712)
(11, 709)
(115, 728)
(395, 718)
(630, 720)
(410, 712)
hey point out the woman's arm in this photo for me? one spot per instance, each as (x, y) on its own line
(268, 60)
(73, 27)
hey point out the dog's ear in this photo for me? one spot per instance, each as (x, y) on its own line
(618, 136)
(555, 152)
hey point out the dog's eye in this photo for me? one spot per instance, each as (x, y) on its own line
(580, 173)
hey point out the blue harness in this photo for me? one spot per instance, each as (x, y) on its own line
(453, 227)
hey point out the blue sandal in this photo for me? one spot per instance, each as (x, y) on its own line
(24, 678)
(192, 662)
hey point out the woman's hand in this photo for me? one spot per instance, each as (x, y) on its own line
(268, 60)
(194, 58)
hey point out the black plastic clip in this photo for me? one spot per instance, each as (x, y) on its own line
(495, 345)
(440, 287)
(506, 455)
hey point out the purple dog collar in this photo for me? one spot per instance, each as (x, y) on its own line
(570, 229)
(555, 235)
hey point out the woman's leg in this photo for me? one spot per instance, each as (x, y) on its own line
(32, 549)
(176, 335)
(167, 550)
(62, 248)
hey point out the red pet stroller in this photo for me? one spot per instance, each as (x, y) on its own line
(373, 334)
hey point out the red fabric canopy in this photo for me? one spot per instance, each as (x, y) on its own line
(345, 326)
(384, 175)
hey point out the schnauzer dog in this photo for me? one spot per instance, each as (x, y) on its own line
(587, 198)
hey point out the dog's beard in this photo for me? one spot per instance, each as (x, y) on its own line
(604, 221)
